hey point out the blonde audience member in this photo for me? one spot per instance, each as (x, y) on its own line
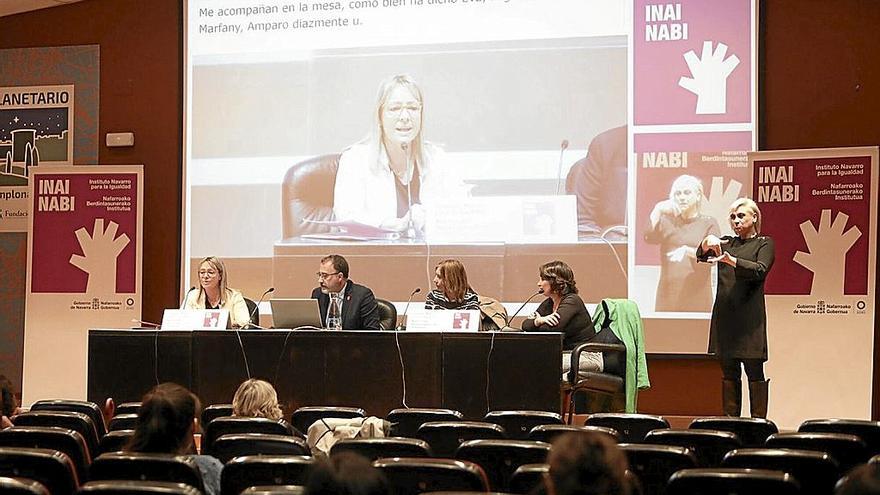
(256, 399)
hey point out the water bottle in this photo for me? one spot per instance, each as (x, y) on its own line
(334, 314)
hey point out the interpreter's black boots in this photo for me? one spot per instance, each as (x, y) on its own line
(731, 397)
(758, 392)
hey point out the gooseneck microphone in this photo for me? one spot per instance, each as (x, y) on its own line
(186, 295)
(257, 308)
(146, 324)
(540, 291)
(562, 148)
(402, 326)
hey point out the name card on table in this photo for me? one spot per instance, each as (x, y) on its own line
(195, 319)
(444, 320)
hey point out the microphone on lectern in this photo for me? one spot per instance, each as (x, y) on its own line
(257, 308)
(507, 323)
(402, 326)
(186, 295)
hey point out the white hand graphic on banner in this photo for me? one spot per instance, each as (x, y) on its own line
(709, 81)
(717, 205)
(99, 255)
(827, 257)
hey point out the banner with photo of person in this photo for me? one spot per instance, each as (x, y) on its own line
(84, 270)
(820, 208)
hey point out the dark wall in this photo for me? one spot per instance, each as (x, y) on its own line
(141, 88)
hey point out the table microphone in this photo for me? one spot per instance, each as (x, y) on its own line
(257, 308)
(507, 323)
(402, 327)
(146, 324)
(185, 295)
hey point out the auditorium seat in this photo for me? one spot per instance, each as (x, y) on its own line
(128, 487)
(76, 421)
(303, 417)
(631, 427)
(654, 464)
(21, 486)
(123, 422)
(51, 468)
(307, 194)
(610, 383)
(868, 431)
(229, 425)
(146, 467)
(90, 409)
(518, 424)
(709, 446)
(406, 422)
(274, 490)
(215, 411)
(847, 450)
(264, 470)
(411, 476)
(547, 433)
(127, 408)
(500, 458)
(444, 437)
(527, 477)
(63, 440)
(387, 314)
(705, 481)
(816, 472)
(752, 432)
(227, 447)
(115, 441)
(376, 448)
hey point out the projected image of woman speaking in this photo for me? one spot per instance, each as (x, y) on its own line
(390, 177)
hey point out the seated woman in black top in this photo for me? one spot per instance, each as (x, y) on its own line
(564, 311)
(453, 291)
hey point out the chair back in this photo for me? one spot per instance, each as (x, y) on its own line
(50, 468)
(444, 437)
(76, 421)
(847, 450)
(21, 486)
(123, 422)
(264, 470)
(406, 422)
(127, 408)
(63, 440)
(127, 487)
(307, 194)
(229, 425)
(518, 424)
(709, 446)
(275, 490)
(631, 427)
(303, 417)
(816, 472)
(376, 448)
(528, 477)
(253, 311)
(868, 431)
(387, 314)
(90, 409)
(412, 476)
(547, 433)
(706, 481)
(500, 458)
(752, 432)
(654, 464)
(135, 466)
(215, 411)
(227, 447)
(115, 441)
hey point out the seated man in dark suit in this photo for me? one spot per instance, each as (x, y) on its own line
(359, 309)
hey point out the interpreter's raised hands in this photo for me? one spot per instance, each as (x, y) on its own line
(712, 244)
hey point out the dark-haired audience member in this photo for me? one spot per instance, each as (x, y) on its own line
(564, 311)
(8, 402)
(165, 426)
(861, 480)
(346, 474)
(586, 464)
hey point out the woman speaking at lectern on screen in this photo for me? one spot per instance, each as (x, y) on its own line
(213, 293)
(387, 179)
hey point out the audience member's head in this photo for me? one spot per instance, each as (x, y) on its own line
(8, 402)
(861, 480)
(586, 464)
(346, 474)
(256, 399)
(165, 421)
